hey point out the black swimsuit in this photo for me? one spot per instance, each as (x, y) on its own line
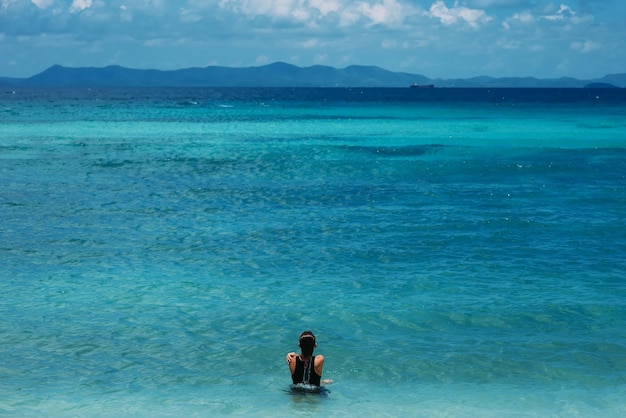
(305, 373)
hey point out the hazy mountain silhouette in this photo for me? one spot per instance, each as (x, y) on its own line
(278, 75)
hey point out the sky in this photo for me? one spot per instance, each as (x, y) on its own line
(437, 38)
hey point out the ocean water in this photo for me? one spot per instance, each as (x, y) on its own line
(457, 252)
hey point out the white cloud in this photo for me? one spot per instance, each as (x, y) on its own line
(262, 60)
(348, 17)
(389, 12)
(79, 5)
(495, 3)
(473, 17)
(345, 13)
(42, 4)
(275, 9)
(567, 14)
(563, 13)
(189, 16)
(310, 43)
(389, 43)
(523, 18)
(510, 44)
(585, 47)
(325, 6)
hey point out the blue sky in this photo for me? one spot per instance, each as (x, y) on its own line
(436, 38)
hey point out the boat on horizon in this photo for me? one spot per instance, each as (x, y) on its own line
(422, 86)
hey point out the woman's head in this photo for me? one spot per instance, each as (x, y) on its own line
(307, 343)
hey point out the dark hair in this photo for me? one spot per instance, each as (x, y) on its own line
(307, 343)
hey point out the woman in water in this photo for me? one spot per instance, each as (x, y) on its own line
(306, 369)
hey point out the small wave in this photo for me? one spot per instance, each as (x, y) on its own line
(304, 389)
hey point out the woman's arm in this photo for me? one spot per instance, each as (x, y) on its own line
(291, 361)
(319, 364)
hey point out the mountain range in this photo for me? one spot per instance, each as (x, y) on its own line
(280, 74)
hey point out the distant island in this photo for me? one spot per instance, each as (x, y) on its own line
(281, 74)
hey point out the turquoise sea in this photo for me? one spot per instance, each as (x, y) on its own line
(457, 252)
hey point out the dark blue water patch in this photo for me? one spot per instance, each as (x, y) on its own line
(115, 163)
(188, 97)
(396, 151)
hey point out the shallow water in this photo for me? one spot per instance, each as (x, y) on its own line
(455, 255)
